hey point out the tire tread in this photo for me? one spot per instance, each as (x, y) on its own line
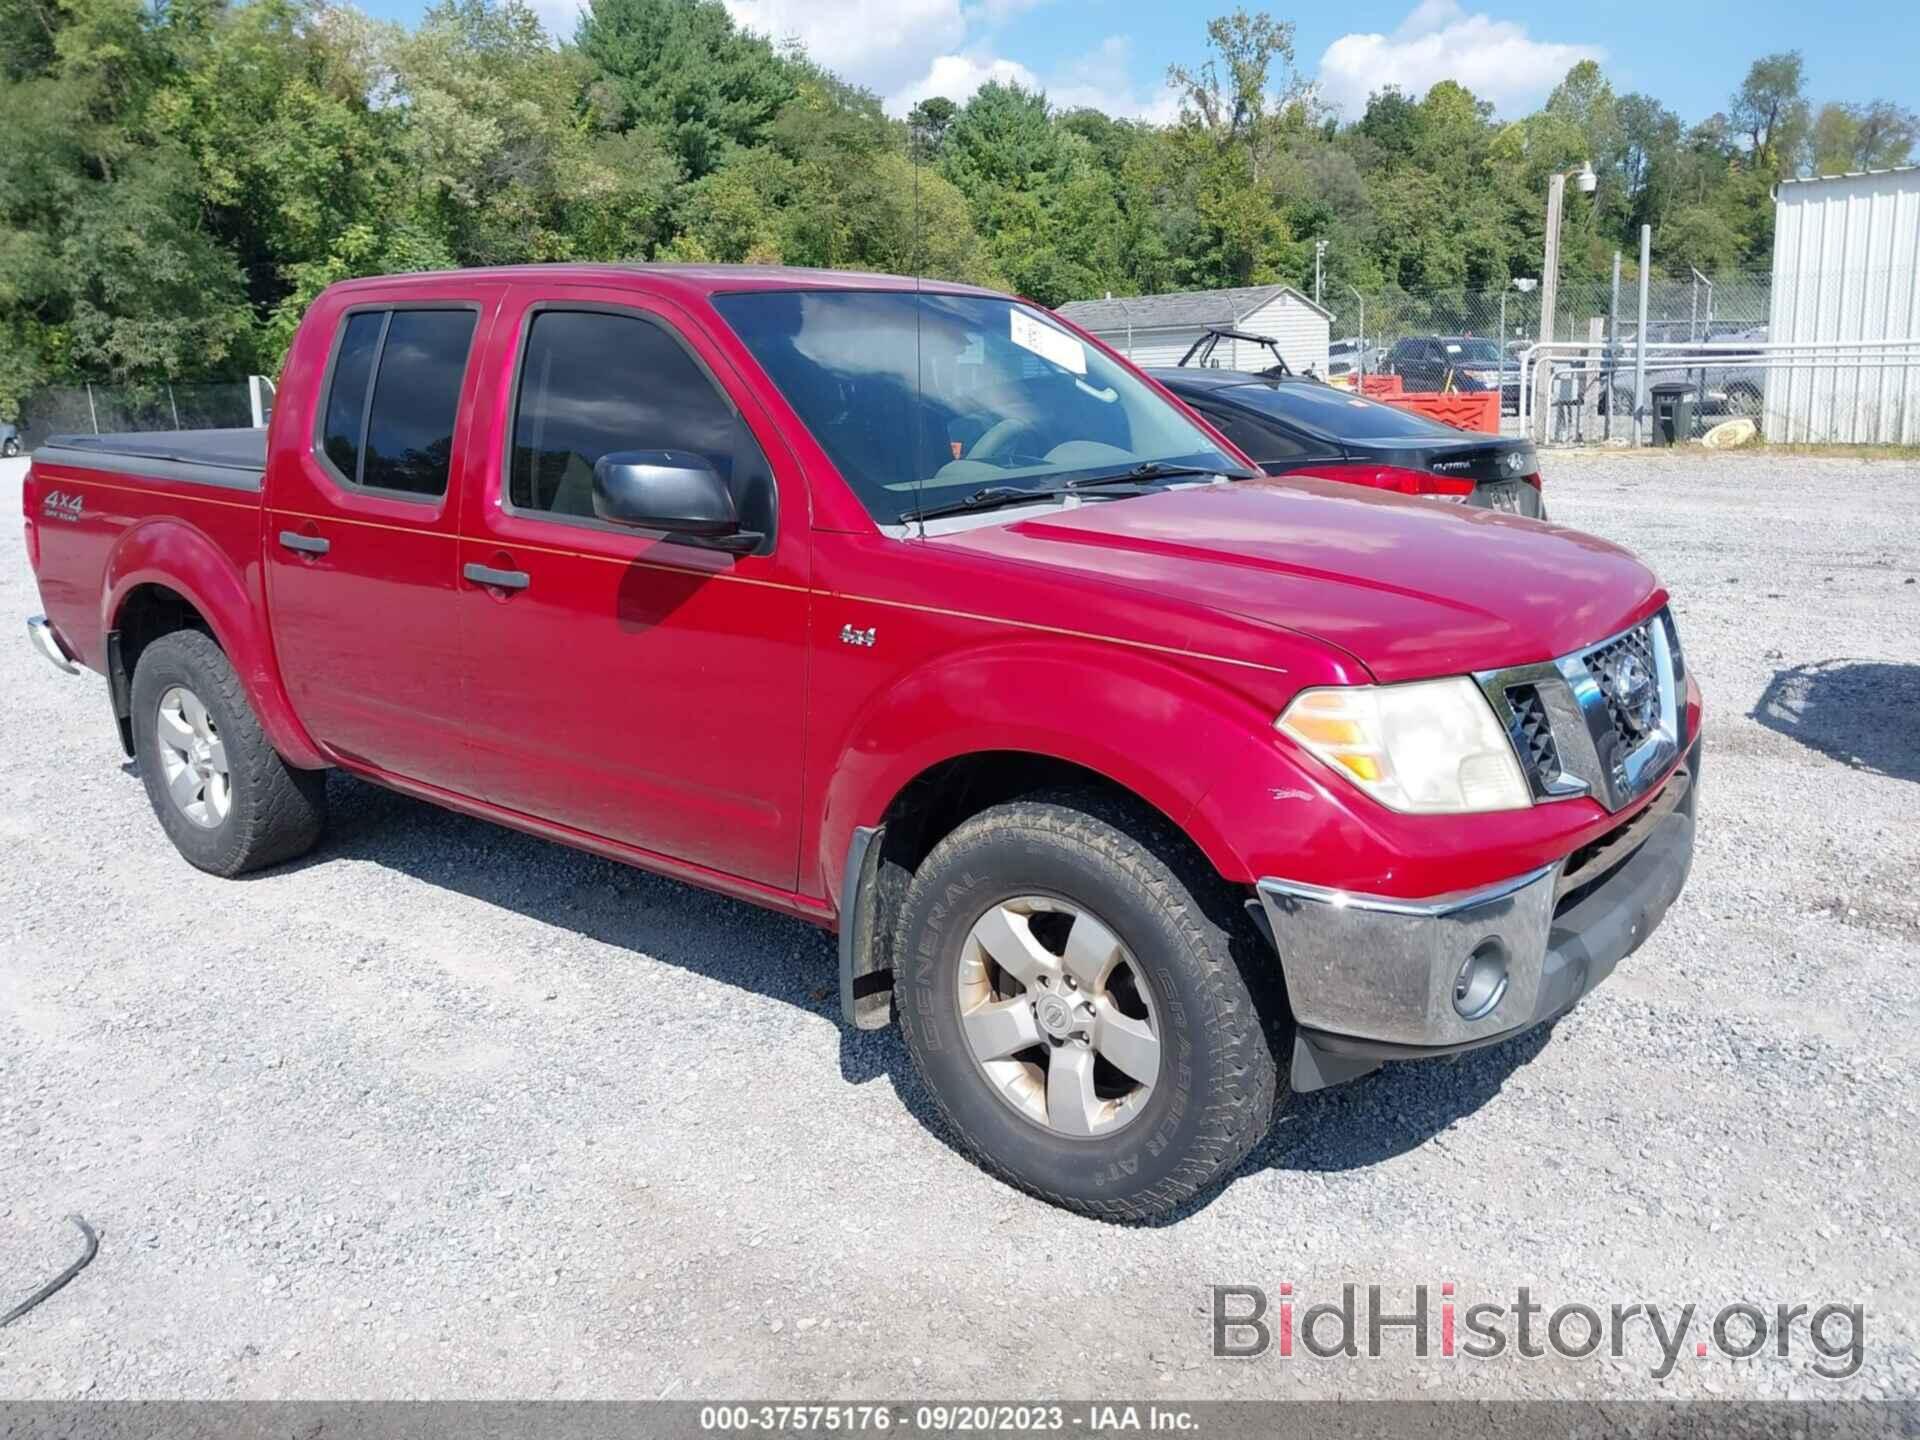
(1160, 863)
(288, 807)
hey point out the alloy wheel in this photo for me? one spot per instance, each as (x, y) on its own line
(193, 761)
(1058, 1016)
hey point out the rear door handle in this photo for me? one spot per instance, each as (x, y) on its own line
(499, 579)
(305, 544)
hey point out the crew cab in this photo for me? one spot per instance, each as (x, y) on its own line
(1141, 790)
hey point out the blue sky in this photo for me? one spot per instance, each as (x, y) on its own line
(1114, 53)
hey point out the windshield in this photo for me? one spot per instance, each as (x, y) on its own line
(1339, 414)
(924, 399)
(1476, 351)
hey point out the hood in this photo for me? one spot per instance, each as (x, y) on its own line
(1412, 588)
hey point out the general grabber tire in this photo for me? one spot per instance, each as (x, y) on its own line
(1072, 981)
(227, 801)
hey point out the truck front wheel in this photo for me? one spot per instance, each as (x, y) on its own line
(1066, 984)
(225, 798)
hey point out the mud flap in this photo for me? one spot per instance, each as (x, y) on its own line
(866, 981)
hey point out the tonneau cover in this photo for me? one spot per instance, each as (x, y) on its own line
(234, 458)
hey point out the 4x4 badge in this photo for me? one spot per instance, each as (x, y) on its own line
(853, 635)
(61, 506)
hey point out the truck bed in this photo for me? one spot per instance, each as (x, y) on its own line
(235, 459)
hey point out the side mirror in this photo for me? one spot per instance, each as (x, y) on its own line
(674, 491)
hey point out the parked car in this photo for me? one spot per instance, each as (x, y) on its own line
(1298, 427)
(1348, 360)
(1141, 791)
(9, 440)
(1727, 382)
(1344, 362)
(1464, 363)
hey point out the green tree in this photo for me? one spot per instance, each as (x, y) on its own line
(1228, 95)
(106, 264)
(1038, 198)
(1650, 139)
(1874, 136)
(180, 179)
(928, 123)
(683, 68)
(1771, 110)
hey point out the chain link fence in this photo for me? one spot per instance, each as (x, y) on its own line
(1756, 358)
(113, 409)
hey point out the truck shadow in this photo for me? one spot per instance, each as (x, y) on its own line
(616, 905)
(1860, 712)
(1396, 1109)
(1350, 1127)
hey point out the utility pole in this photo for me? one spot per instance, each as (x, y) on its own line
(1640, 337)
(1550, 274)
(1360, 360)
(1319, 250)
(1549, 294)
(1613, 345)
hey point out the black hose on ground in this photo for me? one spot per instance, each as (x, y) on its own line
(86, 1256)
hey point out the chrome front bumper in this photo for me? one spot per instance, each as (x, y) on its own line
(44, 640)
(1372, 978)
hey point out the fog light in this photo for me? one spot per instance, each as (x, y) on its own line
(1481, 981)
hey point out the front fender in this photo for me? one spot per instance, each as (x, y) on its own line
(1150, 725)
(173, 553)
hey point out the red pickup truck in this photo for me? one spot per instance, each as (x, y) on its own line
(1141, 791)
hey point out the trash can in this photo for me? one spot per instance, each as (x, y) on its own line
(1672, 404)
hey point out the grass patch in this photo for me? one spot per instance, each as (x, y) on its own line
(1696, 451)
(1757, 446)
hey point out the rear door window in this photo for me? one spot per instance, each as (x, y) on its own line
(394, 398)
(347, 396)
(1340, 414)
(1264, 442)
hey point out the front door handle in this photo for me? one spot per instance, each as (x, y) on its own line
(499, 579)
(305, 544)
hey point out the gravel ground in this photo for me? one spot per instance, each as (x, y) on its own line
(447, 1111)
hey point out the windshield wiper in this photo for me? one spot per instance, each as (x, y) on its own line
(990, 497)
(994, 496)
(1156, 470)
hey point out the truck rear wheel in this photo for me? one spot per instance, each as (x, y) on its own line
(227, 801)
(1066, 984)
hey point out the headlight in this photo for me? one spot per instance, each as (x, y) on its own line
(1431, 747)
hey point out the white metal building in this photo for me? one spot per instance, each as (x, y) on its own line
(1158, 329)
(1846, 268)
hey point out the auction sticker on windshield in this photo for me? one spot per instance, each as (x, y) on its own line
(1048, 343)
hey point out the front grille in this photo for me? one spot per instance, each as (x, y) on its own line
(1607, 721)
(1533, 730)
(1624, 670)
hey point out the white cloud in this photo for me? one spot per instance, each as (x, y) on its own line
(881, 44)
(1496, 59)
(906, 50)
(994, 11)
(559, 17)
(957, 77)
(1101, 78)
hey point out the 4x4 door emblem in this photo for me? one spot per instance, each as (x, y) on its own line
(852, 635)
